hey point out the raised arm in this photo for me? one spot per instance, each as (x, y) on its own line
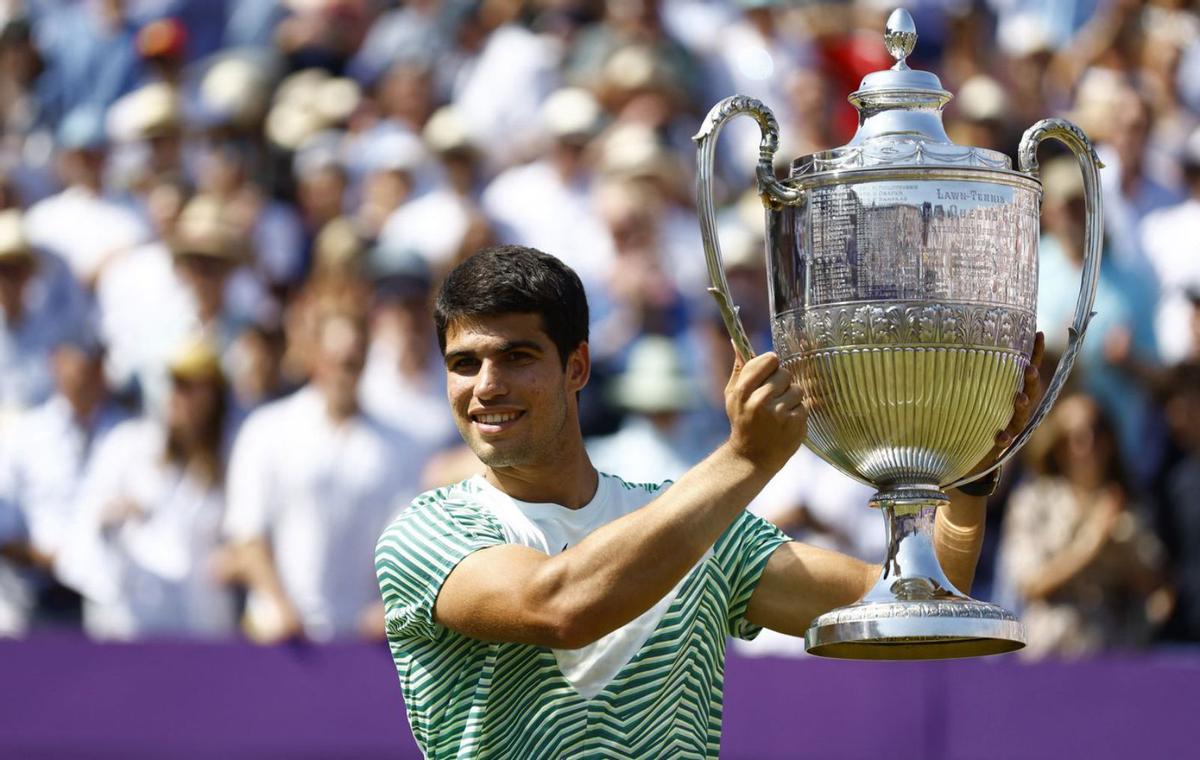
(514, 593)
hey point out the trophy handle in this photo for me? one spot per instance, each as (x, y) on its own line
(772, 191)
(1090, 164)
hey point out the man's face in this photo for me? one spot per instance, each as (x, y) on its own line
(340, 358)
(511, 398)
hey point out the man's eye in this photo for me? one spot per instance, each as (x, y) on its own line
(520, 356)
(464, 365)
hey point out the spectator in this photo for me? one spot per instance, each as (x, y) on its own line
(39, 304)
(81, 224)
(1076, 551)
(404, 383)
(182, 285)
(142, 550)
(565, 218)
(1124, 299)
(42, 461)
(90, 53)
(1179, 519)
(656, 392)
(313, 481)
(1169, 238)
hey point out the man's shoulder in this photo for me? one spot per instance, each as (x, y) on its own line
(455, 507)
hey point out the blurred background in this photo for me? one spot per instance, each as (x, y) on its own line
(222, 222)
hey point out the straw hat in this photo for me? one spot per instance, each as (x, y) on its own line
(636, 151)
(446, 132)
(654, 379)
(13, 243)
(308, 102)
(571, 113)
(150, 111)
(1061, 180)
(195, 358)
(204, 229)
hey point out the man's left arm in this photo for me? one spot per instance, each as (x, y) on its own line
(801, 582)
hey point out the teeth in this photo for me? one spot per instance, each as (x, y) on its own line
(496, 419)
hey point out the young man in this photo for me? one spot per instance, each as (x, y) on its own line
(545, 610)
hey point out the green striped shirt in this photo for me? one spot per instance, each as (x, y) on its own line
(650, 689)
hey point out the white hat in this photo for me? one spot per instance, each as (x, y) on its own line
(571, 112)
(981, 98)
(447, 131)
(654, 379)
(146, 112)
(13, 243)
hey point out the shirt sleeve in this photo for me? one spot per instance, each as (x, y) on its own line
(416, 554)
(743, 551)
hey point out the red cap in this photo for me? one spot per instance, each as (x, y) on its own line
(165, 38)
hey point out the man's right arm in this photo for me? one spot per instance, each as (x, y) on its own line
(517, 594)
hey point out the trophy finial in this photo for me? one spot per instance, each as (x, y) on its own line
(900, 36)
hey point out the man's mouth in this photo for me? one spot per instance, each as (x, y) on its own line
(494, 422)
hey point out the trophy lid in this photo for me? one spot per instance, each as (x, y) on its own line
(900, 118)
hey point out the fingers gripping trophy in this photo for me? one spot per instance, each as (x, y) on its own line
(903, 283)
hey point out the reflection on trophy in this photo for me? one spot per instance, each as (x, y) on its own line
(903, 282)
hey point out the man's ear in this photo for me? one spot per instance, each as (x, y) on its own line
(579, 367)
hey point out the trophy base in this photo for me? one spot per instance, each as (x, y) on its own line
(946, 628)
(913, 612)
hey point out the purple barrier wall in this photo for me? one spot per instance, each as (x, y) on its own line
(62, 697)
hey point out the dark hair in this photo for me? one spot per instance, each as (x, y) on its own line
(513, 279)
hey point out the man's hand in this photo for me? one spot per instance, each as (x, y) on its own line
(767, 417)
(1024, 403)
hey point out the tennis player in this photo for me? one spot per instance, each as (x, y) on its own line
(547, 610)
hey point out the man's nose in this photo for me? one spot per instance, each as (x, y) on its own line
(490, 381)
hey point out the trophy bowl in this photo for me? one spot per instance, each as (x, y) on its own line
(902, 273)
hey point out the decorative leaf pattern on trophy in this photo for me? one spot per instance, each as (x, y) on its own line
(923, 323)
(858, 326)
(885, 323)
(954, 327)
(893, 324)
(789, 337)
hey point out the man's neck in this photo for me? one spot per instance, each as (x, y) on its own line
(571, 482)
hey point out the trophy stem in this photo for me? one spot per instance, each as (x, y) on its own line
(913, 612)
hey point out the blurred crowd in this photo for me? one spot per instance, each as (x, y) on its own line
(222, 223)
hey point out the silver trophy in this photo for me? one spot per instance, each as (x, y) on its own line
(903, 281)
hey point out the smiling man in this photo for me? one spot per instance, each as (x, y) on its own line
(546, 610)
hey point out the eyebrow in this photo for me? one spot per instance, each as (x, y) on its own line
(504, 348)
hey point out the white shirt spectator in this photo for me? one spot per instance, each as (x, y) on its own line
(321, 493)
(416, 406)
(145, 312)
(84, 229)
(533, 206)
(500, 93)
(151, 574)
(42, 463)
(1169, 238)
